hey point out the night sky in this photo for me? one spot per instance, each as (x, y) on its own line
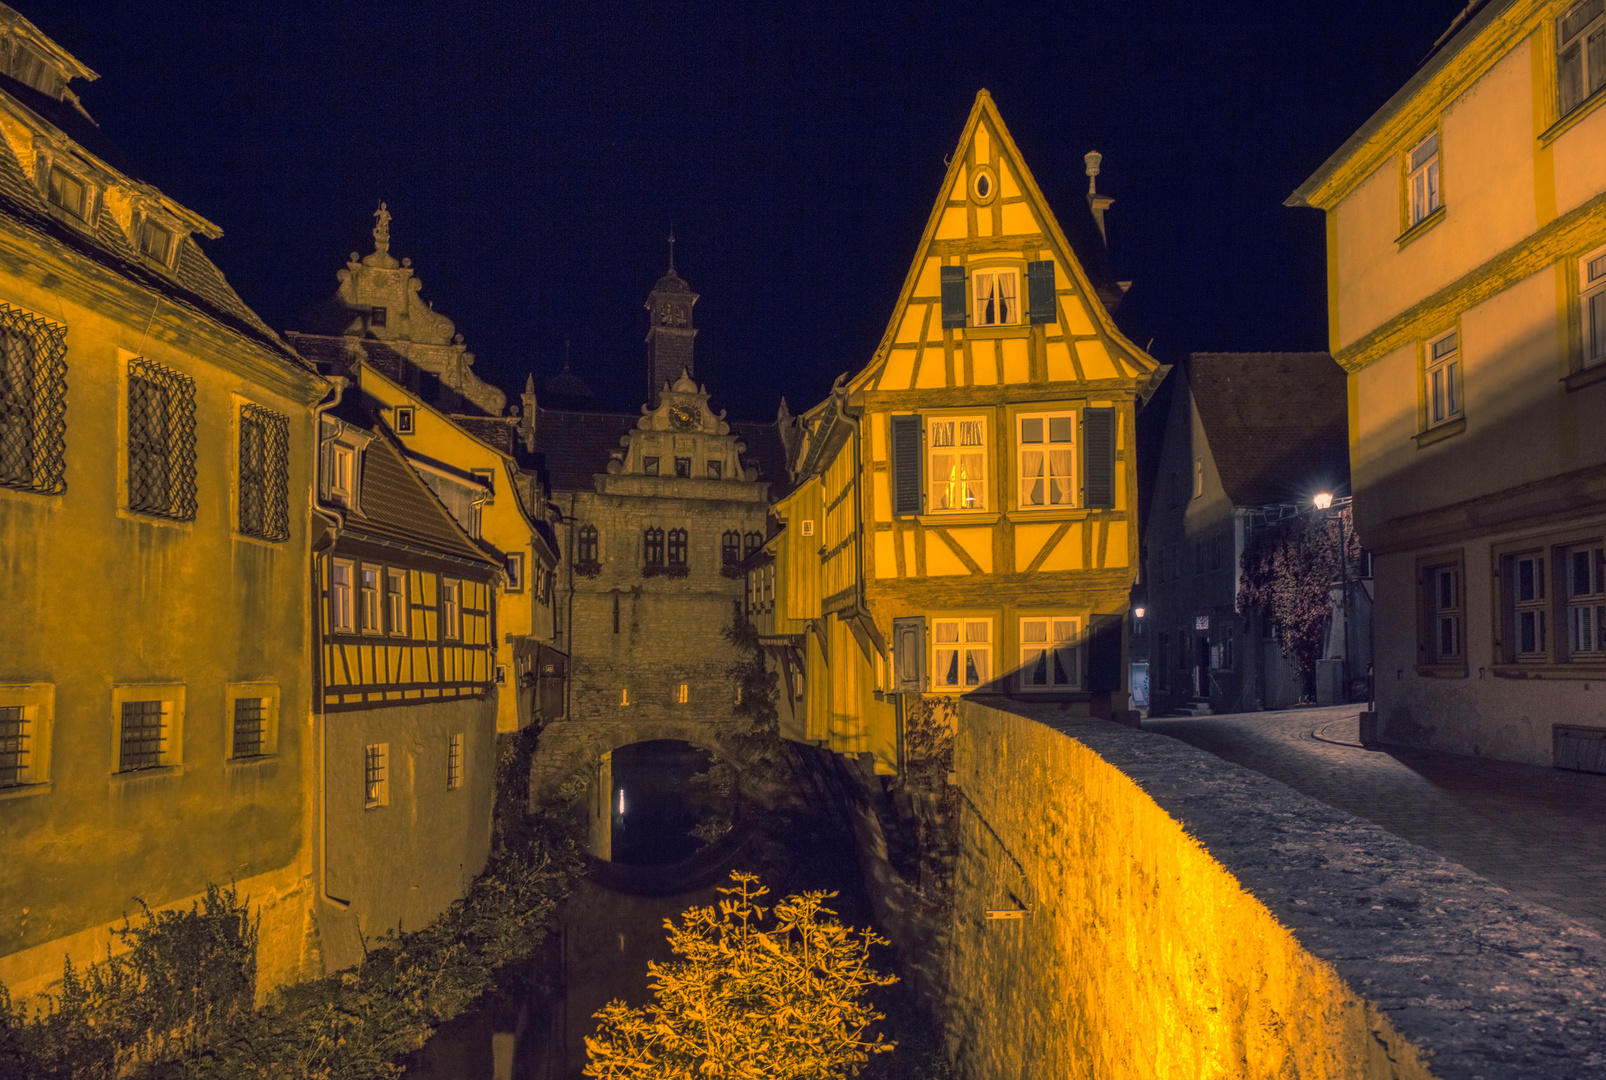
(535, 156)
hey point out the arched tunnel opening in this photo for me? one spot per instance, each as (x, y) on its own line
(660, 803)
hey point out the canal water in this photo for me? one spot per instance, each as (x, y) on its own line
(678, 836)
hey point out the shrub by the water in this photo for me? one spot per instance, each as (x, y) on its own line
(177, 1004)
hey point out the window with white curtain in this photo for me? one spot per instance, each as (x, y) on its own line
(997, 295)
(962, 653)
(1049, 659)
(958, 456)
(1047, 447)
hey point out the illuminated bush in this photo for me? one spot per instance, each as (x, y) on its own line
(749, 997)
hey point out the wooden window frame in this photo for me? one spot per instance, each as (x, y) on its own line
(994, 274)
(451, 609)
(397, 626)
(1430, 659)
(932, 450)
(1592, 295)
(1559, 659)
(1071, 646)
(1580, 40)
(1074, 479)
(1424, 179)
(1452, 364)
(964, 647)
(342, 620)
(370, 601)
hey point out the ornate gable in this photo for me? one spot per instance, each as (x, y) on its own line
(995, 294)
(682, 439)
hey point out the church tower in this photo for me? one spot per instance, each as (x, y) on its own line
(669, 331)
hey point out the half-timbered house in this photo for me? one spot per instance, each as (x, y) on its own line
(404, 615)
(965, 512)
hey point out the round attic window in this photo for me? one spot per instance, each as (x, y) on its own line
(983, 184)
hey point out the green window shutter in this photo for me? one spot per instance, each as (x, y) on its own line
(1098, 459)
(906, 487)
(953, 296)
(1040, 291)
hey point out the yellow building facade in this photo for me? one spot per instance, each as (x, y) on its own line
(964, 517)
(1466, 226)
(156, 451)
(458, 434)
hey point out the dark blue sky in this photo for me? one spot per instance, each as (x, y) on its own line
(534, 156)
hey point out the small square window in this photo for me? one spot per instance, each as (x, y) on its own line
(69, 193)
(156, 242)
(404, 419)
(378, 316)
(683, 467)
(649, 465)
(376, 775)
(716, 470)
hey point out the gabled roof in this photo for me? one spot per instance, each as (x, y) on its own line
(1277, 423)
(1082, 261)
(394, 504)
(194, 281)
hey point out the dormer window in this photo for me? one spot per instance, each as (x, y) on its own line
(342, 473)
(69, 193)
(156, 242)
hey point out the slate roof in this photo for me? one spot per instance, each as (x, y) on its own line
(194, 282)
(1277, 423)
(394, 504)
(576, 446)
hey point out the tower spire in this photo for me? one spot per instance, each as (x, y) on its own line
(671, 249)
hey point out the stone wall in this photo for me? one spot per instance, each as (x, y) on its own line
(1186, 917)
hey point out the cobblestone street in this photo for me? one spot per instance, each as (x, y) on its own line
(1539, 832)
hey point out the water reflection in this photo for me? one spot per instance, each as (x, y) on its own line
(534, 1028)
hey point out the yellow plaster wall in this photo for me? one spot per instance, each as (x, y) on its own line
(111, 598)
(1141, 957)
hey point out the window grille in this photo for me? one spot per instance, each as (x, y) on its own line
(677, 547)
(454, 762)
(376, 774)
(250, 727)
(13, 745)
(653, 547)
(161, 440)
(33, 402)
(730, 548)
(144, 735)
(264, 473)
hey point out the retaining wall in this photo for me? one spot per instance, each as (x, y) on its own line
(1189, 918)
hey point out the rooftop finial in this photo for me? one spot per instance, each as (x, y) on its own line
(671, 249)
(1092, 157)
(382, 228)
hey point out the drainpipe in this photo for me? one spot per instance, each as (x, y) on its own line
(338, 521)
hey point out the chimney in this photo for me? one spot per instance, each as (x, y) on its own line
(1098, 203)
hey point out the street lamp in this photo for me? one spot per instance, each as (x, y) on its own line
(1323, 501)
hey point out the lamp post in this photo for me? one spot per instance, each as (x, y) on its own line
(1324, 502)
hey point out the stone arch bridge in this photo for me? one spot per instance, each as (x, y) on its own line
(571, 748)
